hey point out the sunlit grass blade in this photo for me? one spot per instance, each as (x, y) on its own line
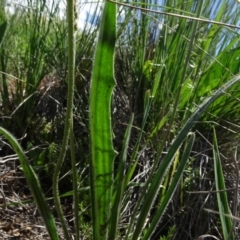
(168, 195)
(34, 185)
(224, 210)
(102, 152)
(214, 29)
(217, 71)
(169, 176)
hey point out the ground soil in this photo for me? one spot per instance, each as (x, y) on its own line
(19, 220)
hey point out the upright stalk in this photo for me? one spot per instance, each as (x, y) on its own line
(69, 115)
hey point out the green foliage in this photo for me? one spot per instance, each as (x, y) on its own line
(102, 152)
(26, 59)
(189, 175)
(172, 71)
(170, 234)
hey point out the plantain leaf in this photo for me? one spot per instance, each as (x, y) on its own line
(102, 152)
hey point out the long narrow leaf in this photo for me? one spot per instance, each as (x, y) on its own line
(134, 159)
(224, 210)
(120, 183)
(167, 197)
(154, 187)
(34, 185)
(102, 152)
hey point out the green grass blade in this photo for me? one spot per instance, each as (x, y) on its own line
(224, 210)
(154, 186)
(156, 82)
(217, 71)
(214, 29)
(102, 152)
(34, 185)
(147, 106)
(120, 183)
(167, 197)
(159, 125)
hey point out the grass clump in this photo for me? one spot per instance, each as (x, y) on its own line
(151, 82)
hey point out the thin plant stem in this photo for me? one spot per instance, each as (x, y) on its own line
(69, 113)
